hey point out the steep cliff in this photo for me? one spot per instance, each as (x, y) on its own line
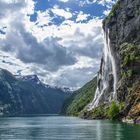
(28, 95)
(119, 74)
(124, 33)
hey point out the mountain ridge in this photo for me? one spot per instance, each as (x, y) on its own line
(28, 95)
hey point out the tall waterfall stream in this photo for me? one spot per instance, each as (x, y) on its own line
(108, 68)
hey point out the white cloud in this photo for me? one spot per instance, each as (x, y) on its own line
(30, 5)
(11, 1)
(43, 18)
(63, 0)
(106, 12)
(81, 16)
(13, 64)
(50, 51)
(65, 30)
(107, 3)
(61, 12)
(85, 41)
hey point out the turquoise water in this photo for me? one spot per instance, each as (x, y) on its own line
(65, 128)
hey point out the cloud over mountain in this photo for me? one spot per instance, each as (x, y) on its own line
(53, 40)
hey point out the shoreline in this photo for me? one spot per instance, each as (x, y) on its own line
(123, 120)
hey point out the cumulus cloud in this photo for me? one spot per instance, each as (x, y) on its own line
(61, 12)
(49, 52)
(81, 16)
(58, 54)
(63, 0)
(14, 65)
(89, 45)
(106, 12)
(77, 75)
(43, 18)
(107, 3)
(7, 8)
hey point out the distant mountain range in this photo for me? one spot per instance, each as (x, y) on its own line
(24, 95)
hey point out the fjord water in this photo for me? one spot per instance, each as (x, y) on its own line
(65, 128)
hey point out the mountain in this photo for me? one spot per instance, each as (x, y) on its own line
(28, 95)
(76, 103)
(30, 78)
(118, 92)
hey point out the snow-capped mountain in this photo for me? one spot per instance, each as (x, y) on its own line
(21, 95)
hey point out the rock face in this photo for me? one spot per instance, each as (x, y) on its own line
(122, 27)
(28, 95)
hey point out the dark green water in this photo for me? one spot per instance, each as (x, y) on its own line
(65, 128)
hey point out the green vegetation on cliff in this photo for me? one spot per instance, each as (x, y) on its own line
(80, 98)
(113, 11)
(113, 110)
(123, 24)
(107, 111)
(130, 55)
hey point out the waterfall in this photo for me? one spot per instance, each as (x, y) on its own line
(104, 93)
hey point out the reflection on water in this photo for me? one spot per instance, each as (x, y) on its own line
(65, 128)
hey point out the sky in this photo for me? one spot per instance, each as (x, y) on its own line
(61, 41)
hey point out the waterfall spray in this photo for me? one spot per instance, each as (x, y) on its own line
(108, 67)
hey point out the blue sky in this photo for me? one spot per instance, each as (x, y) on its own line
(75, 6)
(92, 9)
(59, 40)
